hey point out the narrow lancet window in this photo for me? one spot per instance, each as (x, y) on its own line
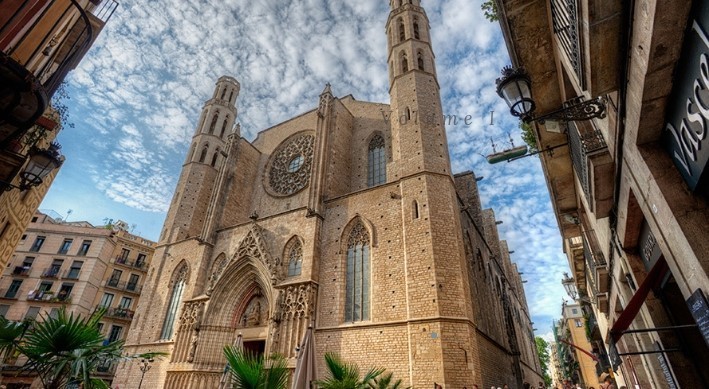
(175, 302)
(402, 32)
(203, 155)
(376, 167)
(226, 119)
(357, 290)
(294, 251)
(214, 122)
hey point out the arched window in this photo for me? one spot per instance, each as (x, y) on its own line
(420, 60)
(357, 290)
(404, 63)
(231, 96)
(178, 288)
(203, 155)
(376, 166)
(294, 253)
(402, 32)
(223, 94)
(407, 112)
(417, 34)
(214, 157)
(214, 122)
(415, 209)
(226, 119)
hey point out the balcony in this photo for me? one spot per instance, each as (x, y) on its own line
(123, 286)
(565, 24)
(71, 274)
(137, 264)
(51, 272)
(593, 165)
(41, 42)
(50, 297)
(119, 313)
(21, 271)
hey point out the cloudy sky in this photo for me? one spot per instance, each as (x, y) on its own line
(137, 95)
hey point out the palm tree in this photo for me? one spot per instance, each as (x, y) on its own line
(250, 371)
(385, 382)
(11, 333)
(344, 375)
(67, 349)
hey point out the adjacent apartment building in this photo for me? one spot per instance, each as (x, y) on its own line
(79, 266)
(629, 189)
(573, 350)
(40, 42)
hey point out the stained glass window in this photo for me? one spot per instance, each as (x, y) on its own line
(376, 169)
(295, 258)
(357, 289)
(175, 301)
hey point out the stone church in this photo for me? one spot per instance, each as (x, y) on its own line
(346, 218)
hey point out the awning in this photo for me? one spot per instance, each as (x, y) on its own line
(653, 280)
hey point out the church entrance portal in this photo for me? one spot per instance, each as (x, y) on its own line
(255, 347)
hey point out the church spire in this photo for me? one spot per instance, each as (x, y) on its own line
(409, 40)
(418, 134)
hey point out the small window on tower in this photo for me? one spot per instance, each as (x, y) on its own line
(214, 157)
(420, 60)
(402, 32)
(226, 119)
(223, 94)
(417, 34)
(404, 63)
(203, 156)
(214, 122)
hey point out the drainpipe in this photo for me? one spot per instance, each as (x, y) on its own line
(627, 37)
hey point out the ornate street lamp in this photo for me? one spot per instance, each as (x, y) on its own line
(41, 163)
(570, 286)
(515, 87)
(144, 367)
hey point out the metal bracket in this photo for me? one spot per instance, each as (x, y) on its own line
(574, 110)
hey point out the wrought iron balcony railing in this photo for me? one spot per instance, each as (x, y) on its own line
(51, 272)
(584, 140)
(565, 23)
(21, 271)
(131, 287)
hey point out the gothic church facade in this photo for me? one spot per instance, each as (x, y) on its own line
(348, 219)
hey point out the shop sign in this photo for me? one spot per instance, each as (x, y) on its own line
(665, 366)
(649, 249)
(699, 309)
(687, 121)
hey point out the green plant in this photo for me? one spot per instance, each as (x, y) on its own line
(489, 8)
(528, 136)
(544, 358)
(386, 381)
(345, 375)
(67, 348)
(251, 371)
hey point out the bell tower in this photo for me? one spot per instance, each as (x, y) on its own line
(188, 210)
(418, 134)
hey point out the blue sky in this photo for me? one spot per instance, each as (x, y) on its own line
(137, 95)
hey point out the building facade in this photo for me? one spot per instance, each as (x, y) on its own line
(573, 348)
(346, 218)
(40, 42)
(628, 189)
(77, 266)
